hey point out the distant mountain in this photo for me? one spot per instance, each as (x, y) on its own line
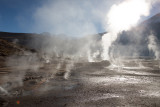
(28, 40)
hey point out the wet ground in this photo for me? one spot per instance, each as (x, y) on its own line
(130, 83)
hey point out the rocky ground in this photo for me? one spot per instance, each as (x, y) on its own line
(98, 84)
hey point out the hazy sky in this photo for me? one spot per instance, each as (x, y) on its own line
(71, 17)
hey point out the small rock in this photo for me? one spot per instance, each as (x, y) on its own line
(3, 102)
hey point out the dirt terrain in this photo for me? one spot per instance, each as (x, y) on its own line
(29, 79)
(134, 82)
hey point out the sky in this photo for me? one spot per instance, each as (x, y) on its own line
(70, 17)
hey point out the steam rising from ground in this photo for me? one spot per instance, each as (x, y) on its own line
(153, 46)
(123, 17)
(86, 48)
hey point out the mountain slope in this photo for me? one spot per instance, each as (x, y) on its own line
(7, 48)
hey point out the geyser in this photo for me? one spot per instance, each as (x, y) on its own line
(122, 17)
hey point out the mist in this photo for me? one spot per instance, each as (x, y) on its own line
(128, 20)
(72, 17)
(83, 53)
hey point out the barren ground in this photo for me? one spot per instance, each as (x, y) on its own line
(136, 83)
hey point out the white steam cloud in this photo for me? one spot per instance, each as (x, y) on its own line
(123, 17)
(71, 17)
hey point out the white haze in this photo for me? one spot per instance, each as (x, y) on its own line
(77, 18)
(122, 17)
(86, 48)
(71, 17)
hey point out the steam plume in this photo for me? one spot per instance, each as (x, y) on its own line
(123, 17)
(153, 46)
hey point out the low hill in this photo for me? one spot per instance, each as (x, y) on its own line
(7, 48)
